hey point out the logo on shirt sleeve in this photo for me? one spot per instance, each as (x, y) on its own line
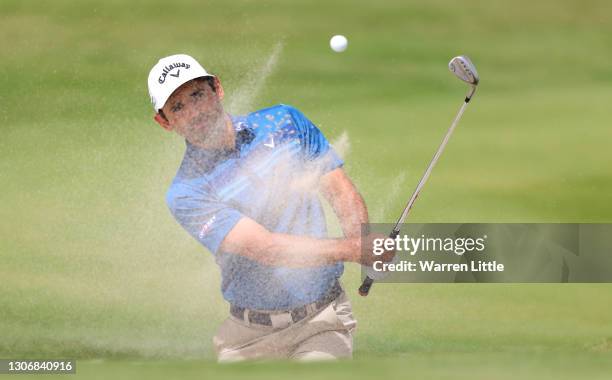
(270, 143)
(206, 227)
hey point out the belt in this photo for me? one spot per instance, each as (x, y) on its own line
(295, 315)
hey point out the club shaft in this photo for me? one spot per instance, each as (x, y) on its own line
(364, 289)
(427, 173)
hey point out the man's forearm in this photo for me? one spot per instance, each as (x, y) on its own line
(352, 213)
(301, 251)
(250, 239)
(346, 201)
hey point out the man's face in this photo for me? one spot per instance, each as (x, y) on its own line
(195, 112)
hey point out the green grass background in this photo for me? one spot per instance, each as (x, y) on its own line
(94, 267)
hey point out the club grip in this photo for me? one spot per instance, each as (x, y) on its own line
(364, 289)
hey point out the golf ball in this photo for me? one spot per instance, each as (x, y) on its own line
(338, 43)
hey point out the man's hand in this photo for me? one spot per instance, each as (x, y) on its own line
(367, 256)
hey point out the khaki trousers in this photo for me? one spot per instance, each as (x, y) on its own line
(326, 334)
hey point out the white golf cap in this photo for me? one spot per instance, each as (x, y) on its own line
(169, 74)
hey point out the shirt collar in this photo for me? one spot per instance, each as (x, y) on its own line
(208, 159)
(244, 131)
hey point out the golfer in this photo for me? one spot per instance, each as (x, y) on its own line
(248, 190)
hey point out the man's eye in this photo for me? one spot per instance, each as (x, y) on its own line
(177, 107)
(197, 94)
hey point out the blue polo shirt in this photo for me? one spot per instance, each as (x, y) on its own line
(271, 177)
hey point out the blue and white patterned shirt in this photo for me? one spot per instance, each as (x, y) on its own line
(271, 177)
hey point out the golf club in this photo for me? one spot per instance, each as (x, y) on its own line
(465, 70)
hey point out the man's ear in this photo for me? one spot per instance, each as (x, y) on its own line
(163, 122)
(219, 87)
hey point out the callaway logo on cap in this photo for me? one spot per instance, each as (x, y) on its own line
(169, 74)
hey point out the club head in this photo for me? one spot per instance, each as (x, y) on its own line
(464, 69)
